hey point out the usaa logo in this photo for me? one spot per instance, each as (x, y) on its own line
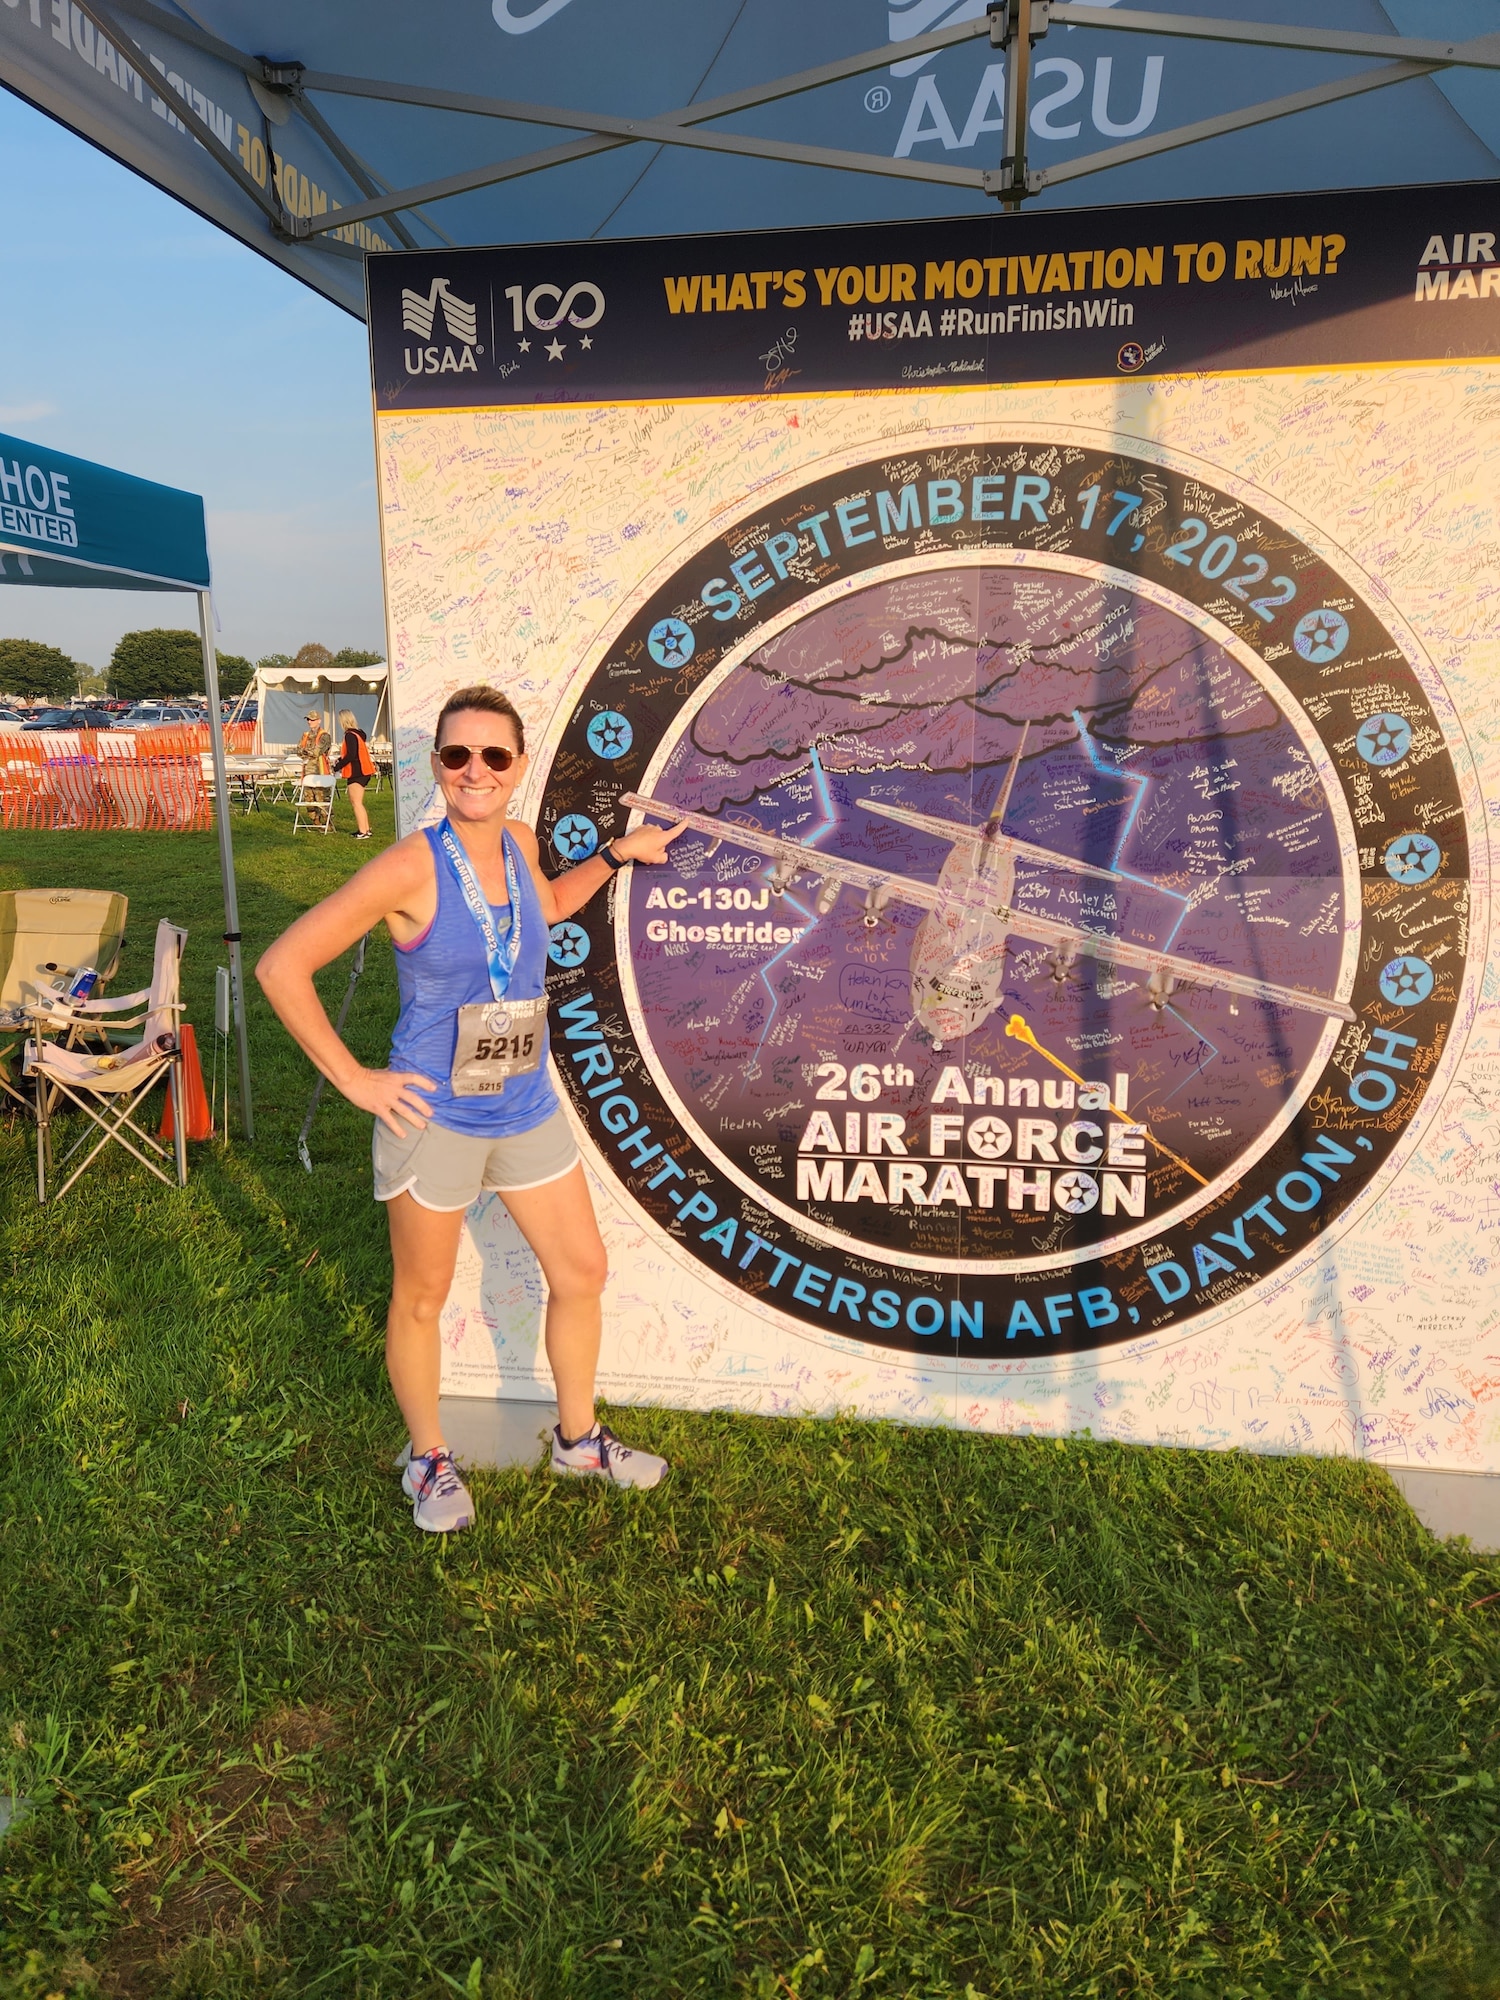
(420, 314)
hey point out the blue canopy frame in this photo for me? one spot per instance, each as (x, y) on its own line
(67, 524)
(320, 134)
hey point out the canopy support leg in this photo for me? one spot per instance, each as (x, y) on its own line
(1014, 26)
(226, 857)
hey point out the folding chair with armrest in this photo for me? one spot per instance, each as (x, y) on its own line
(48, 939)
(108, 1088)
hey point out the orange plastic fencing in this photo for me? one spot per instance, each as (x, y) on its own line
(94, 778)
(100, 779)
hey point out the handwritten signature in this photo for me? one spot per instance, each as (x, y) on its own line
(777, 356)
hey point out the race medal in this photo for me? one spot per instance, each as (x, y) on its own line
(497, 1039)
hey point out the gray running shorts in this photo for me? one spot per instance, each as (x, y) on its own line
(447, 1171)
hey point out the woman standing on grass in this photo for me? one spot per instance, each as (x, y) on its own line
(356, 768)
(468, 909)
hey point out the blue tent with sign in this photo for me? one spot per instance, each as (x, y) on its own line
(320, 134)
(67, 524)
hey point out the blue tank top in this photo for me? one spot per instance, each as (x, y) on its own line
(447, 969)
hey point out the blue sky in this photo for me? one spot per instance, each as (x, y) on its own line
(140, 335)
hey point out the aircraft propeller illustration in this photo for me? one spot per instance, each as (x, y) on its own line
(958, 954)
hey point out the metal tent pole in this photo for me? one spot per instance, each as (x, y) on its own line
(1014, 28)
(226, 856)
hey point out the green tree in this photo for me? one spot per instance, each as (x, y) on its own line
(312, 658)
(235, 674)
(156, 665)
(351, 656)
(29, 668)
(273, 663)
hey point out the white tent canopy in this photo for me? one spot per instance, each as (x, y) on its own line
(328, 683)
(326, 680)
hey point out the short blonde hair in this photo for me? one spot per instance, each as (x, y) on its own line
(348, 719)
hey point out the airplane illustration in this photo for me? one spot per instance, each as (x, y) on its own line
(958, 954)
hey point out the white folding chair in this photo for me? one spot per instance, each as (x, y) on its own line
(108, 1089)
(314, 807)
(284, 779)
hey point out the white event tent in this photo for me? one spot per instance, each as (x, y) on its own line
(333, 686)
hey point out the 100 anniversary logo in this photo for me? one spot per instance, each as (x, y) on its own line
(1072, 915)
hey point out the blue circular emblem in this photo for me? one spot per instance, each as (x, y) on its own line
(720, 745)
(610, 735)
(575, 837)
(670, 643)
(1413, 857)
(1321, 636)
(1383, 739)
(568, 944)
(1406, 982)
(1130, 357)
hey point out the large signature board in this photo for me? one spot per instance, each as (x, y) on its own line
(1083, 904)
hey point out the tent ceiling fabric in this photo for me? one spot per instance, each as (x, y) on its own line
(508, 121)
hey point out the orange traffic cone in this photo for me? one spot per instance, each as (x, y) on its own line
(200, 1120)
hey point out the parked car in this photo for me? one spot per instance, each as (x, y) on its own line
(155, 715)
(71, 718)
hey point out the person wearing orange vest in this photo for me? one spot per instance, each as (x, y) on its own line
(313, 746)
(356, 768)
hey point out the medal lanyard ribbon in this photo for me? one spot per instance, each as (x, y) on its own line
(500, 952)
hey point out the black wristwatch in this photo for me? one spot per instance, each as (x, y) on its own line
(616, 861)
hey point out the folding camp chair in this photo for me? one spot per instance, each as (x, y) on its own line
(49, 938)
(108, 1088)
(314, 806)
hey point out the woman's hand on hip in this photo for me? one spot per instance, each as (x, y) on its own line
(392, 1094)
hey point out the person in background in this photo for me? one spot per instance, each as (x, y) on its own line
(313, 746)
(466, 1106)
(356, 768)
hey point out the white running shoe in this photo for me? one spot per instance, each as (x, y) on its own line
(601, 1455)
(441, 1503)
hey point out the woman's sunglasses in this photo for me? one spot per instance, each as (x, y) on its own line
(456, 756)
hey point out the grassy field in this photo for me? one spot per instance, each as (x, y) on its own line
(841, 1710)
